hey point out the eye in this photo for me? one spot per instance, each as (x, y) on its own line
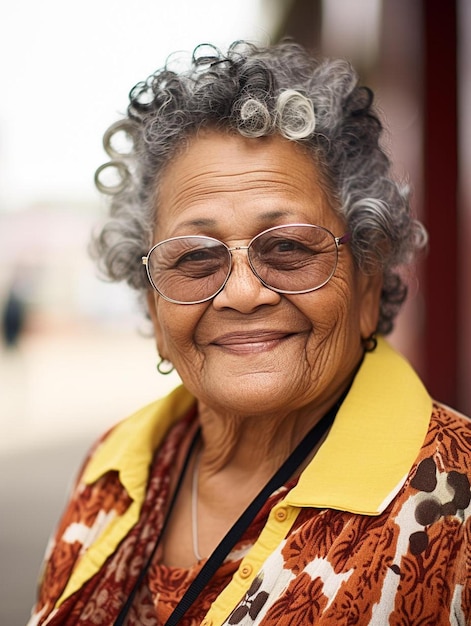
(281, 253)
(289, 245)
(200, 255)
(278, 247)
(201, 262)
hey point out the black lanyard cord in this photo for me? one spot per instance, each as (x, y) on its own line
(281, 476)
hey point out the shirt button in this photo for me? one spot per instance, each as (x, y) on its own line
(246, 570)
(281, 515)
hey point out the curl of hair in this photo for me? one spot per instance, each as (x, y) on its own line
(256, 92)
(295, 115)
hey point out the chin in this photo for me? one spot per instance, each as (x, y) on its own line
(253, 394)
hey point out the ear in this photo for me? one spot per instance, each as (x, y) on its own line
(370, 294)
(151, 298)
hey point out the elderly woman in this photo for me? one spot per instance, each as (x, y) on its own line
(301, 474)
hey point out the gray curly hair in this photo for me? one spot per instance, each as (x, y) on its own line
(258, 91)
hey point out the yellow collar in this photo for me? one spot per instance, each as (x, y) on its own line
(365, 459)
(131, 444)
(373, 442)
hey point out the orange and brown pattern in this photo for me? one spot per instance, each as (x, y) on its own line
(411, 565)
(408, 566)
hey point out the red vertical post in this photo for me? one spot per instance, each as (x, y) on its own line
(441, 198)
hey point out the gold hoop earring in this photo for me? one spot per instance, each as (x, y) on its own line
(165, 367)
(370, 343)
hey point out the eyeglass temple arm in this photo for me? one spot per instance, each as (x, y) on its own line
(343, 239)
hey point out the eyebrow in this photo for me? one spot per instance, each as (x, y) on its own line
(198, 223)
(274, 215)
(268, 216)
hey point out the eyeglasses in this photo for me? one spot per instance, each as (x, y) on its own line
(290, 259)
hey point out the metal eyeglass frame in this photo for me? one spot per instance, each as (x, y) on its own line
(345, 238)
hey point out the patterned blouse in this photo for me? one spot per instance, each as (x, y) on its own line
(376, 531)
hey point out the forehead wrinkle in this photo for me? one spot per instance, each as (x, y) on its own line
(200, 193)
(207, 181)
(217, 179)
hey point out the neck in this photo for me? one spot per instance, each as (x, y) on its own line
(254, 445)
(235, 457)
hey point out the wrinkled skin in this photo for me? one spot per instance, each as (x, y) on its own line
(251, 350)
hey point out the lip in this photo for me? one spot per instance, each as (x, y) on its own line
(243, 342)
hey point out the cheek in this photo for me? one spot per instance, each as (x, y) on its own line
(334, 306)
(334, 315)
(176, 326)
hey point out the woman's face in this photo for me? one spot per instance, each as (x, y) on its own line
(251, 350)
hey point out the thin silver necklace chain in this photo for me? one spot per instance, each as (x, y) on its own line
(194, 508)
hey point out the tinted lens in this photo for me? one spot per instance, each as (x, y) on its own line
(294, 259)
(189, 269)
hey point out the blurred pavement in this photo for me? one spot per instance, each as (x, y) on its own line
(58, 392)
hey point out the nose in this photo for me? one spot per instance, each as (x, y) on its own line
(243, 290)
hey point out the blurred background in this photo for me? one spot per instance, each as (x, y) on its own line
(76, 352)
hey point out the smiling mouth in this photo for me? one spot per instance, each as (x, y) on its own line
(251, 342)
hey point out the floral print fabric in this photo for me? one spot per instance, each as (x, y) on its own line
(410, 565)
(102, 597)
